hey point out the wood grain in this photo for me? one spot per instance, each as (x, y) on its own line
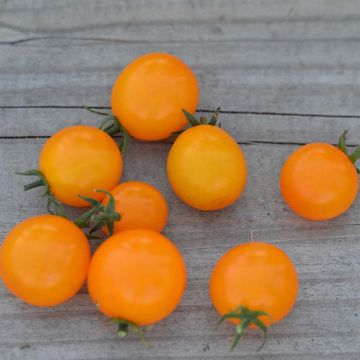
(285, 73)
(282, 56)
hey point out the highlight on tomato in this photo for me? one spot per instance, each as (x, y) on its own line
(136, 278)
(140, 205)
(206, 168)
(148, 95)
(44, 260)
(319, 181)
(254, 285)
(75, 162)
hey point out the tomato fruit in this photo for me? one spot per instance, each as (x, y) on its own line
(44, 260)
(206, 168)
(140, 205)
(78, 160)
(149, 94)
(253, 283)
(138, 276)
(319, 181)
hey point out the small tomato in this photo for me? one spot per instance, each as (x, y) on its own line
(78, 160)
(319, 181)
(253, 285)
(44, 260)
(140, 205)
(137, 277)
(206, 167)
(150, 92)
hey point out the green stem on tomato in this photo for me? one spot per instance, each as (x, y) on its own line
(355, 155)
(54, 206)
(246, 317)
(124, 326)
(112, 126)
(99, 215)
(193, 121)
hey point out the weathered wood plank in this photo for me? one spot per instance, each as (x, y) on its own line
(245, 128)
(180, 20)
(161, 20)
(248, 76)
(324, 322)
(273, 61)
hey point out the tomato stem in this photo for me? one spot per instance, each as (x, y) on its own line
(193, 121)
(54, 206)
(246, 317)
(124, 327)
(355, 155)
(99, 215)
(112, 126)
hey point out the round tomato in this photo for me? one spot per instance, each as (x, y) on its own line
(254, 282)
(206, 168)
(140, 206)
(78, 160)
(318, 181)
(137, 275)
(44, 260)
(150, 93)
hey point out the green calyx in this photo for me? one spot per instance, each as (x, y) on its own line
(112, 126)
(247, 317)
(54, 206)
(193, 121)
(95, 219)
(354, 156)
(99, 215)
(124, 327)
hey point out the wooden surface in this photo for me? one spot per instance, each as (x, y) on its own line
(284, 72)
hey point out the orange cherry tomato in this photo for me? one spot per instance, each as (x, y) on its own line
(206, 168)
(255, 276)
(44, 260)
(78, 160)
(137, 275)
(150, 93)
(318, 181)
(140, 205)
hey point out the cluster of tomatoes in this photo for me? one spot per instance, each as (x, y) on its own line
(137, 276)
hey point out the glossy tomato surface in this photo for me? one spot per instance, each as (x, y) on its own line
(140, 205)
(206, 168)
(137, 275)
(259, 276)
(150, 93)
(44, 260)
(79, 160)
(318, 181)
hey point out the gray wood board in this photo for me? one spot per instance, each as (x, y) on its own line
(281, 56)
(284, 72)
(324, 321)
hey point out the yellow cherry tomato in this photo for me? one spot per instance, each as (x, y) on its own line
(78, 160)
(44, 260)
(140, 206)
(206, 168)
(319, 182)
(150, 93)
(253, 285)
(138, 276)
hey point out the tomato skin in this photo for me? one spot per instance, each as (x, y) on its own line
(137, 275)
(140, 205)
(44, 260)
(206, 168)
(78, 160)
(318, 181)
(149, 94)
(259, 276)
